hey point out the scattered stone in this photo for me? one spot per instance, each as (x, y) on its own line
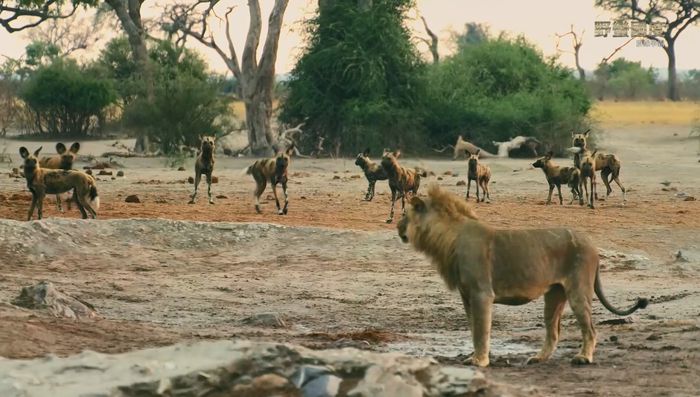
(447, 173)
(355, 176)
(461, 183)
(104, 172)
(666, 183)
(44, 296)
(181, 169)
(272, 319)
(669, 189)
(214, 179)
(617, 321)
(680, 257)
(614, 338)
(89, 171)
(190, 180)
(221, 196)
(302, 197)
(455, 174)
(132, 198)
(120, 173)
(654, 337)
(113, 178)
(244, 368)
(439, 178)
(689, 198)
(336, 177)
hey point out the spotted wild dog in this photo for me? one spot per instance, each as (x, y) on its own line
(608, 164)
(587, 170)
(41, 181)
(62, 160)
(402, 180)
(273, 170)
(373, 172)
(204, 165)
(557, 175)
(479, 173)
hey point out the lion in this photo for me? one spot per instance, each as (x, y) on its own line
(512, 267)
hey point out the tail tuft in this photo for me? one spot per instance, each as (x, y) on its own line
(94, 198)
(247, 170)
(642, 303)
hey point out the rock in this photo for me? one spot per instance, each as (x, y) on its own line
(181, 169)
(447, 173)
(214, 179)
(461, 183)
(689, 198)
(653, 337)
(355, 176)
(617, 321)
(190, 180)
(439, 178)
(221, 196)
(244, 368)
(273, 320)
(455, 174)
(44, 296)
(336, 177)
(120, 173)
(103, 172)
(132, 198)
(89, 171)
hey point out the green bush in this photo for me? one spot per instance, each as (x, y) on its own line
(501, 88)
(66, 98)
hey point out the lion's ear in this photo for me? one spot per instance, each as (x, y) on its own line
(418, 204)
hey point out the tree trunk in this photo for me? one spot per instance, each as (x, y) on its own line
(258, 111)
(672, 77)
(581, 71)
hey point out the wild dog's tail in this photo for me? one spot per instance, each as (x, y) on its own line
(94, 198)
(575, 179)
(615, 166)
(641, 302)
(247, 170)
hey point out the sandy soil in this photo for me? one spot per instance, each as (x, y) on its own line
(337, 275)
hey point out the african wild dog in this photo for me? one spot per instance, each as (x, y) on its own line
(608, 164)
(557, 175)
(62, 160)
(402, 180)
(41, 181)
(273, 170)
(479, 173)
(204, 165)
(373, 172)
(587, 169)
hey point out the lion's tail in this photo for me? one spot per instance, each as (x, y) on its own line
(641, 302)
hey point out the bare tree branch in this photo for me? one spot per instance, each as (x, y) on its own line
(577, 43)
(49, 10)
(433, 43)
(606, 59)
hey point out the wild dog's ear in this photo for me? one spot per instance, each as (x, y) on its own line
(23, 152)
(594, 152)
(549, 155)
(477, 152)
(366, 152)
(467, 152)
(75, 147)
(60, 148)
(290, 150)
(397, 154)
(418, 204)
(587, 132)
(573, 133)
(36, 152)
(200, 137)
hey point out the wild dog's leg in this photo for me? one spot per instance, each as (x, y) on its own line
(40, 204)
(585, 189)
(197, 178)
(593, 191)
(260, 185)
(604, 174)
(32, 205)
(81, 208)
(580, 302)
(393, 200)
(476, 182)
(481, 306)
(561, 200)
(274, 193)
(368, 195)
(286, 197)
(554, 303)
(372, 186)
(469, 185)
(403, 202)
(84, 203)
(580, 191)
(551, 189)
(58, 203)
(616, 178)
(211, 200)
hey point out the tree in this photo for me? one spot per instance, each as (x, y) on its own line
(474, 33)
(359, 80)
(255, 77)
(17, 15)
(623, 79)
(69, 35)
(674, 16)
(576, 43)
(432, 43)
(66, 98)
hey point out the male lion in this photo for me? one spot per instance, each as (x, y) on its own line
(511, 267)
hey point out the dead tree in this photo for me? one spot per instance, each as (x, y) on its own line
(577, 42)
(432, 43)
(256, 77)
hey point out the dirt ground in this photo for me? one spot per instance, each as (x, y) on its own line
(337, 275)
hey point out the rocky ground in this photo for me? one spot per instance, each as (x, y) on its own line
(333, 274)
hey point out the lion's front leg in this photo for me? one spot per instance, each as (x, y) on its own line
(481, 305)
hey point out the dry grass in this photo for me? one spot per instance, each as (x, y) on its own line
(646, 112)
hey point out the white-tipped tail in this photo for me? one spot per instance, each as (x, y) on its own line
(95, 203)
(246, 170)
(574, 149)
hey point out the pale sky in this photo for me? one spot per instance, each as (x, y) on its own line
(537, 20)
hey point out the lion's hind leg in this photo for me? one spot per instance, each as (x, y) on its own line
(581, 302)
(554, 303)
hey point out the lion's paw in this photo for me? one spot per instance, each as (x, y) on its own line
(534, 360)
(477, 362)
(580, 360)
